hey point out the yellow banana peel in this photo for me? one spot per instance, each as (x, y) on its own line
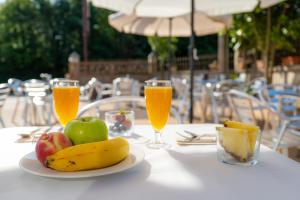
(88, 156)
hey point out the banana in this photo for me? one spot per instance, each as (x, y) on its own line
(90, 155)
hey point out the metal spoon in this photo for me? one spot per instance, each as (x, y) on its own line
(30, 134)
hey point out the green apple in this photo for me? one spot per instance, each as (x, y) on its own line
(86, 130)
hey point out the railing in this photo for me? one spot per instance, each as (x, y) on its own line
(201, 63)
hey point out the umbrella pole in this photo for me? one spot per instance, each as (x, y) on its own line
(191, 63)
(85, 29)
(170, 50)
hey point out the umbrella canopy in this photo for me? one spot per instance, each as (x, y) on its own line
(159, 8)
(173, 8)
(179, 26)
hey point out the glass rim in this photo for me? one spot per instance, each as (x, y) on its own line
(158, 83)
(114, 112)
(61, 83)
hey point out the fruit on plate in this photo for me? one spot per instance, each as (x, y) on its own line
(121, 123)
(49, 144)
(86, 130)
(235, 142)
(252, 130)
(94, 155)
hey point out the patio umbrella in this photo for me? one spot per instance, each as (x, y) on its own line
(173, 8)
(179, 26)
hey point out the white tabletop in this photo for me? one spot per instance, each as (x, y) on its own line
(182, 172)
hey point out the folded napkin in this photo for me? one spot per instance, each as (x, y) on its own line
(199, 140)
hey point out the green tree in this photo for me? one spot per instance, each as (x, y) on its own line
(21, 33)
(107, 43)
(163, 47)
(37, 36)
(267, 31)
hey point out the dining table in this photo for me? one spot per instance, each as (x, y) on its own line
(176, 173)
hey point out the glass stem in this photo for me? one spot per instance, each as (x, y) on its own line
(157, 137)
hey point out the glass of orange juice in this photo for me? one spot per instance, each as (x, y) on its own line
(66, 100)
(158, 95)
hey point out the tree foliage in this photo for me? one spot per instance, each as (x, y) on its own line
(163, 47)
(249, 29)
(38, 36)
(267, 31)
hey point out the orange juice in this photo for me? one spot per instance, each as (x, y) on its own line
(66, 100)
(158, 103)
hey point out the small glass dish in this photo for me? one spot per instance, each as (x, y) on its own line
(120, 123)
(237, 146)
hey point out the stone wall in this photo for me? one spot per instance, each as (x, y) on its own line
(106, 71)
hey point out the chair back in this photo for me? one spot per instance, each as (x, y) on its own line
(288, 104)
(125, 86)
(36, 88)
(103, 105)
(16, 86)
(52, 81)
(270, 92)
(226, 85)
(218, 99)
(246, 107)
(46, 77)
(181, 87)
(92, 90)
(4, 92)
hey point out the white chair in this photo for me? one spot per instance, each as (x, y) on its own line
(46, 77)
(219, 101)
(290, 120)
(182, 93)
(17, 89)
(270, 92)
(255, 87)
(125, 86)
(181, 87)
(91, 91)
(201, 100)
(126, 101)
(250, 109)
(38, 106)
(247, 108)
(4, 92)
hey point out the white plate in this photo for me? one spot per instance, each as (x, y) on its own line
(30, 164)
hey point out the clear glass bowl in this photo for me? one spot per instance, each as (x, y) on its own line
(120, 123)
(238, 149)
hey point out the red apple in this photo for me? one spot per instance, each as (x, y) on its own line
(49, 144)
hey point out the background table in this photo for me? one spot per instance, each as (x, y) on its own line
(183, 172)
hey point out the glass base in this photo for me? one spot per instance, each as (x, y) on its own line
(250, 163)
(153, 145)
(232, 161)
(158, 142)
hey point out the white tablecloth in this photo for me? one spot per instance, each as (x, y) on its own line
(189, 172)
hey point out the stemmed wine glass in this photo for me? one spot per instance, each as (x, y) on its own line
(66, 100)
(158, 95)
